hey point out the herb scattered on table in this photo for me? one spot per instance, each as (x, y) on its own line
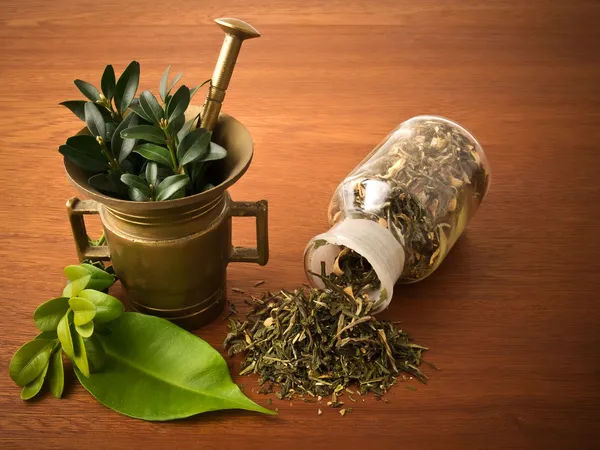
(318, 342)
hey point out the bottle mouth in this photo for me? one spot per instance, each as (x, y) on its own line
(371, 241)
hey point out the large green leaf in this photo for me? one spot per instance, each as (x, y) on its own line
(151, 106)
(48, 314)
(215, 152)
(194, 146)
(136, 182)
(80, 354)
(170, 185)
(178, 103)
(64, 335)
(100, 279)
(137, 109)
(30, 360)
(94, 120)
(56, 374)
(32, 389)
(155, 370)
(149, 133)
(151, 173)
(155, 153)
(127, 86)
(88, 90)
(107, 307)
(84, 311)
(86, 330)
(107, 183)
(108, 83)
(95, 353)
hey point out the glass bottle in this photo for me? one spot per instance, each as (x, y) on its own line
(405, 205)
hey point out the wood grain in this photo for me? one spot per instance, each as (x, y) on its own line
(512, 317)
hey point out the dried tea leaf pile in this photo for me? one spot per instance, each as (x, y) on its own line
(319, 342)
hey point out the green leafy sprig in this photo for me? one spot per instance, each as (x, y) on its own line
(141, 148)
(68, 325)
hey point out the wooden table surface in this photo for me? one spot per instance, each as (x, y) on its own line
(513, 315)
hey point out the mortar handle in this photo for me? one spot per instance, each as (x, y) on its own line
(76, 209)
(260, 254)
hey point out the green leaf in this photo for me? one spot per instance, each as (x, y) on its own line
(80, 354)
(76, 107)
(32, 389)
(175, 125)
(94, 120)
(88, 90)
(198, 171)
(155, 153)
(48, 335)
(84, 310)
(85, 330)
(106, 183)
(120, 147)
(151, 106)
(187, 128)
(137, 109)
(56, 374)
(29, 361)
(195, 89)
(108, 83)
(194, 146)
(95, 353)
(148, 376)
(88, 144)
(100, 279)
(137, 196)
(149, 133)
(170, 185)
(136, 182)
(127, 86)
(178, 103)
(48, 314)
(151, 173)
(215, 152)
(164, 82)
(64, 335)
(84, 159)
(76, 286)
(108, 308)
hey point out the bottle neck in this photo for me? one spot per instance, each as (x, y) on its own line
(370, 240)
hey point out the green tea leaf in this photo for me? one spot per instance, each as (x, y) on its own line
(32, 389)
(100, 280)
(87, 143)
(149, 133)
(64, 335)
(95, 353)
(107, 307)
(76, 107)
(194, 146)
(145, 365)
(85, 330)
(30, 360)
(108, 83)
(155, 153)
(175, 125)
(151, 106)
(170, 185)
(56, 374)
(127, 86)
(48, 335)
(137, 196)
(48, 314)
(84, 310)
(76, 286)
(80, 354)
(88, 90)
(86, 160)
(120, 147)
(94, 120)
(137, 109)
(136, 182)
(216, 152)
(75, 271)
(178, 103)
(151, 173)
